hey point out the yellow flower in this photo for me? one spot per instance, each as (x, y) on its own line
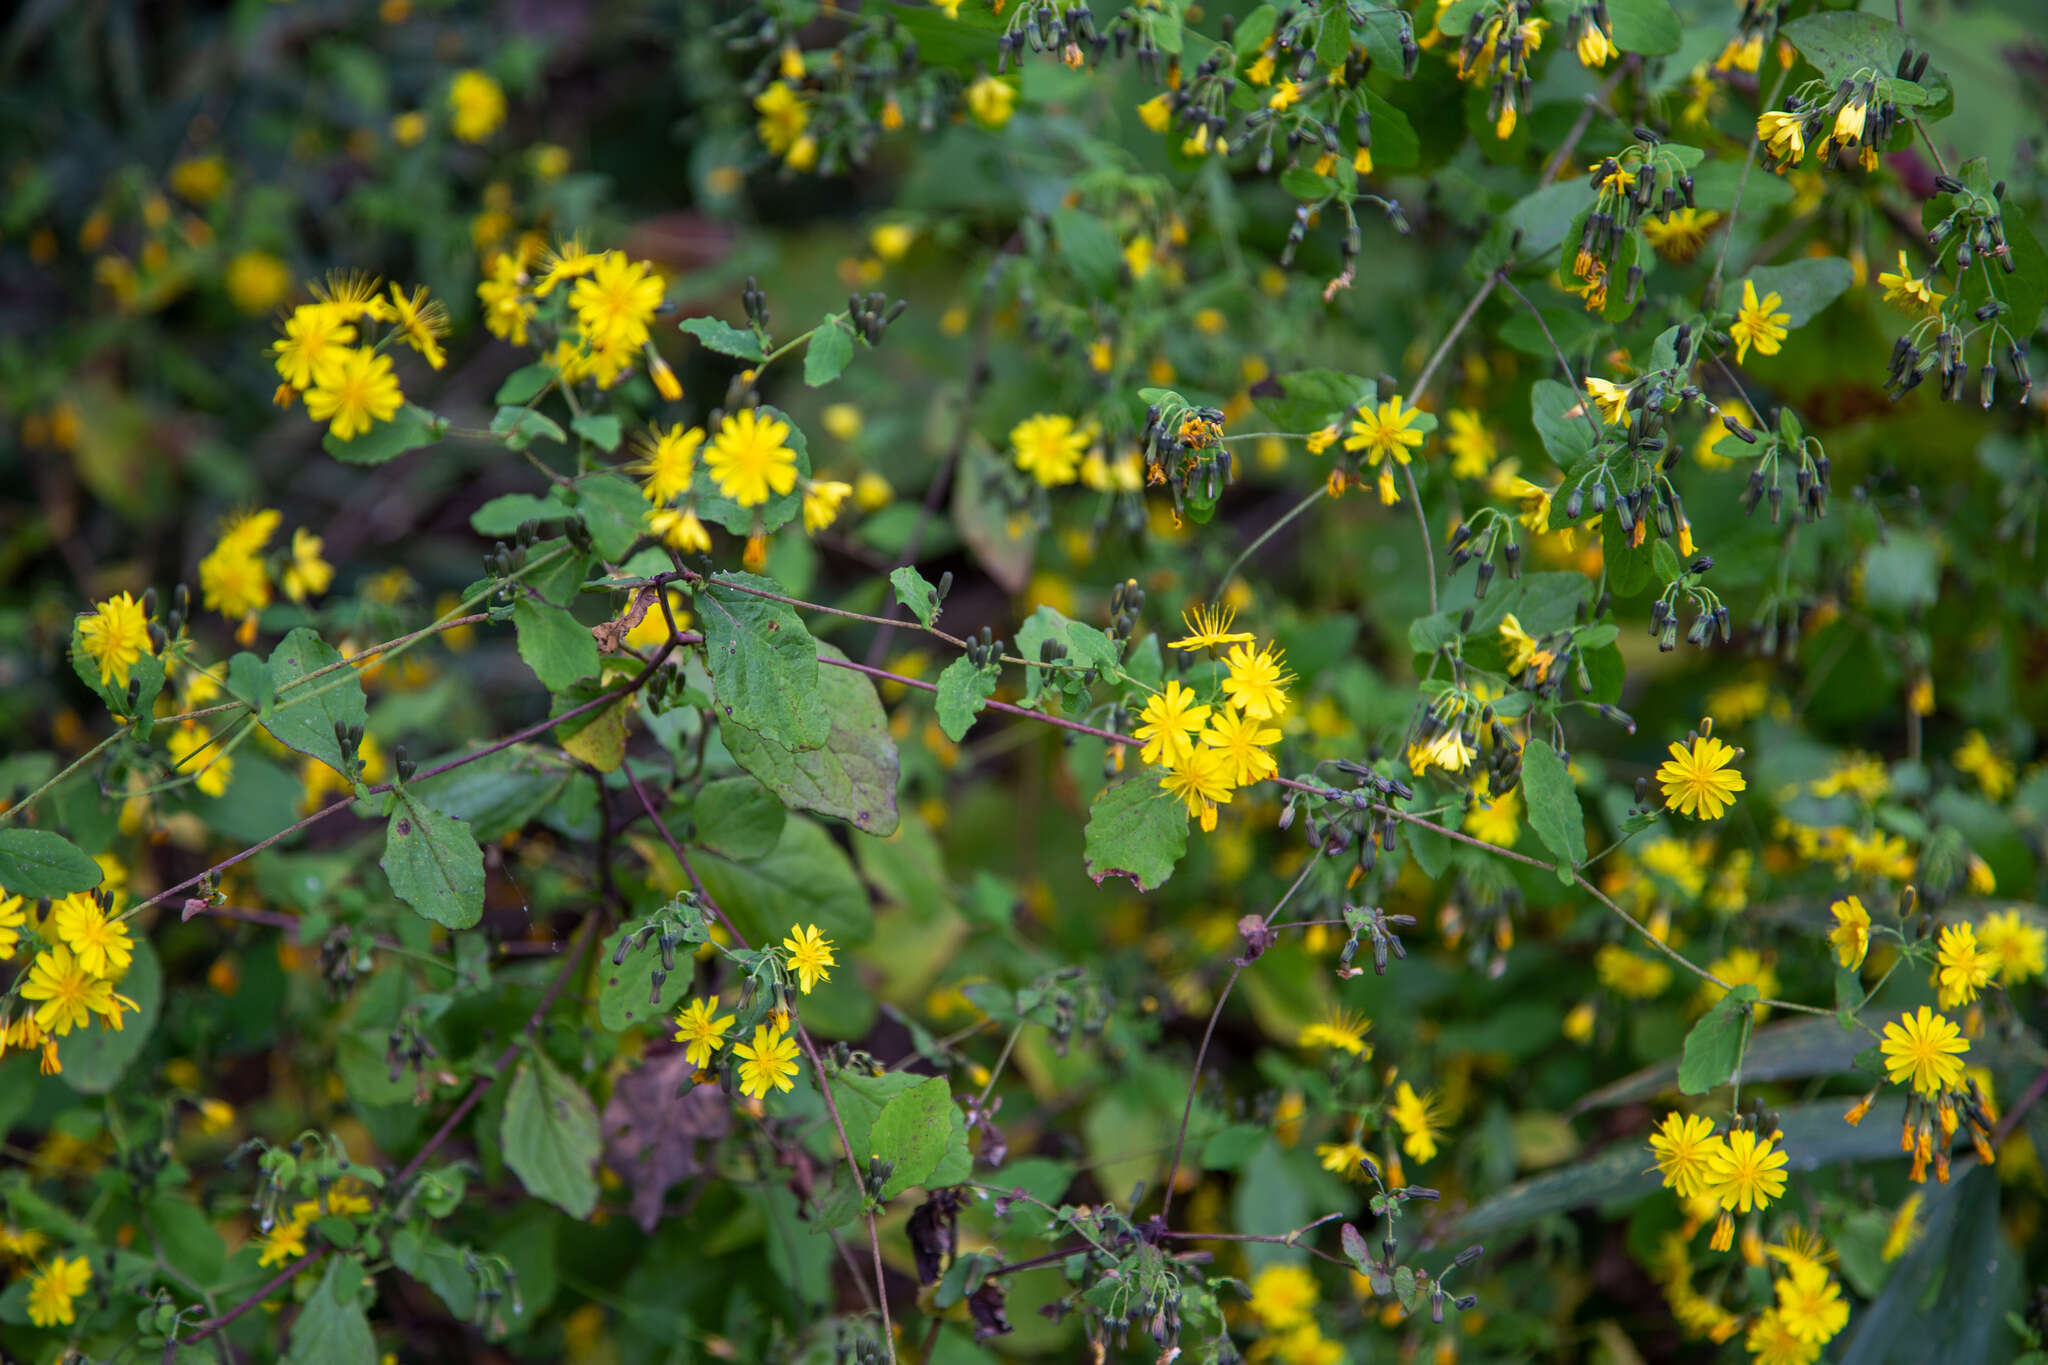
(680, 530)
(1157, 112)
(1344, 1158)
(564, 261)
(1758, 323)
(1771, 1341)
(1631, 974)
(315, 338)
(1875, 855)
(1522, 653)
(50, 1294)
(1385, 430)
(186, 742)
(750, 457)
(2020, 946)
(1924, 1050)
(233, 581)
(1596, 45)
(784, 116)
(991, 100)
(115, 636)
(1737, 967)
(421, 322)
(284, 1243)
(1473, 448)
(1209, 628)
(810, 953)
(1201, 778)
(1746, 1172)
(1243, 745)
(1498, 821)
(821, 503)
(1169, 723)
(1849, 122)
(507, 309)
(1284, 1297)
(616, 301)
(1611, 399)
(1048, 448)
(1416, 1117)
(668, 459)
(1905, 1228)
(1340, 1030)
(98, 941)
(1697, 779)
(769, 1062)
(1976, 758)
(892, 240)
(307, 575)
(1903, 287)
(1685, 1147)
(1810, 1302)
(1851, 934)
(1784, 134)
(13, 919)
(1961, 968)
(701, 1029)
(476, 105)
(841, 420)
(358, 391)
(409, 129)
(70, 995)
(1680, 236)
(256, 282)
(1257, 681)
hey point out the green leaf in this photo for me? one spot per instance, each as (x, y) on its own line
(1790, 1049)
(1842, 42)
(499, 793)
(1395, 146)
(1628, 566)
(306, 714)
(521, 427)
(763, 663)
(613, 508)
(852, 775)
(94, 1058)
(1567, 439)
(409, 430)
(597, 736)
(550, 1136)
(502, 516)
(1902, 573)
(1305, 184)
(1553, 803)
(433, 863)
(806, 878)
(1313, 399)
(829, 350)
(627, 996)
(555, 645)
(917, 595)
(1088, 246)
(1646, 26)
(862, 1098)
(1544, 218)
(1663, 561)
(963, 690)
(438, 1265)
(1804, 287)
(1714, 1047)
(738, 817)
(724, 338)
(601, 429)
(912, 1131)
(331, 1328)
(780, 509)
(36, 863)
(1135, 830)
(187, 1238)
(523, 384)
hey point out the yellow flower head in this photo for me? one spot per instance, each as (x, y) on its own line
(1048, 448)
(616, 302)
(991, 100)
(52, 1292)
(355, 393)
(750, 457)
(1746, 1172)
(1415, 1115)
(98, 941)
(810, 953)
(115, 636)
(1386, 430)
(1925, 1051)
(1961, 968)
(768, 1062)
(668, 460)
(476, 105)
(1685, 1146)
(701, 1029)
(1851, 934)
(1758, 323)
(1209, 628)
(1169, 722)
(1201, 778)
(1697, 780)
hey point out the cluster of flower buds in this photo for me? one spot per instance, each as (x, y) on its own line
(755, 301)
(865, 312)
(1377, 927)
(1198, 106)
(1710, 613)
(349, 738)
(407, 1049)
(1483, 541)
(1062, 32)
(1181, 442)
(1630, 186)
(1496, 49)
(986, 651)
(345, 957)
(1810, 481)
(1126, 609)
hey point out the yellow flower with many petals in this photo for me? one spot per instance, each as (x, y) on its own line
(307, 574)
(1961, 968)
(1924, 1051)
(1201, 778)
(1168, 724)
(98, 941)
(1685, 1146)
(2018, 944)
(1388, 429)
(358, 391)
(1416, 1117)
(210, 773)
(476, 105)
(615, 303)
(810, 953)
(1851, 934)
(115, 636)
(52, 1293)
(315, 338)
(1697, 779)
(1914, 292)
(1048, 448)
(768, 1062)
(991, 100)
(750, 458)
(1243, 745)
